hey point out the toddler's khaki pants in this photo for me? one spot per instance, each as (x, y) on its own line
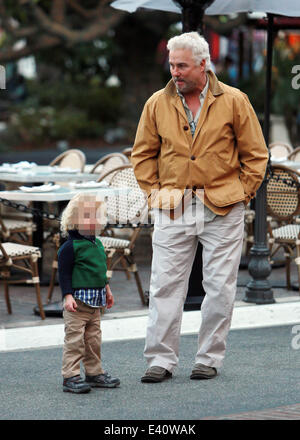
(82, 341)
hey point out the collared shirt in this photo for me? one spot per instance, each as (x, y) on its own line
(92, 297)
(209, 215)
(193, 121)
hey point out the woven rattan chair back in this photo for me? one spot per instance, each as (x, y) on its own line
(127, 152)
(107, 163)
(16, 230)
(295, 155)
(280, 149)
(128, 208)
(73, 158)
(20, 258)
(283, 193)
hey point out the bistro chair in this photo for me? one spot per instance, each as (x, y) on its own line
(56, 241)
(72, 158)
(16, 230)
(127, 152)
(24, 259)
(128, 210)
(295, 155)
(283, 206)
(280, 149)
(107, 163)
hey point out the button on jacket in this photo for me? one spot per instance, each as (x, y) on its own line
(227, 156)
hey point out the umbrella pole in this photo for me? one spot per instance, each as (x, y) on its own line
(258, 290)
(192, 19)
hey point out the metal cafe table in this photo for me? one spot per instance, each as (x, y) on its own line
(41, 173)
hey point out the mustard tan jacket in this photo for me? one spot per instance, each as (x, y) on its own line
(227, 156)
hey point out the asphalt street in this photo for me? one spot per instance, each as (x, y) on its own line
(261, 370)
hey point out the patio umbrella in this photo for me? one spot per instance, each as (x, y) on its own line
(258, 289)
(291, 8)
(191, 10)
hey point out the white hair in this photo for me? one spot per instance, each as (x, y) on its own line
(194, 42)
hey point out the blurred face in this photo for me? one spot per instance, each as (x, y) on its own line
(187, 76)
(89, 217)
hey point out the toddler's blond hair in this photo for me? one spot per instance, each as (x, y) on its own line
(70, 213)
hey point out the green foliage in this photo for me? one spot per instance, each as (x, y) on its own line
(65, 112)
(69, 98)
(285, 97)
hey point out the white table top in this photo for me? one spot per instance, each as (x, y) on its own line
(42, 173)
(287, 163)
(61, 194)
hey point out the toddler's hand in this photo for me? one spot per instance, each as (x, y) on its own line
(109, 298)
(70, 303)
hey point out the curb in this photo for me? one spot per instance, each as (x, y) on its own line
(134, 327)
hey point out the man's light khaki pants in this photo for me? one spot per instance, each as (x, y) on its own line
(174, 248)
(82, 341)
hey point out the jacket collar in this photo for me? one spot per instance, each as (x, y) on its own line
(214, 86)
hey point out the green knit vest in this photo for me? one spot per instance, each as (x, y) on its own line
(90, 264)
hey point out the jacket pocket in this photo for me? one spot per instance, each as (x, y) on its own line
(225, 193)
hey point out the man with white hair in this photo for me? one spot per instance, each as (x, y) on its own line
(200, 155)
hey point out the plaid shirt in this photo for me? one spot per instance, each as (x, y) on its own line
(92, 297)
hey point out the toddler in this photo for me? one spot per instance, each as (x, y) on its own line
(82, 278)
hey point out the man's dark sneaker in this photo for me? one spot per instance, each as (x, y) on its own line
(76, 385)
(156, 374)
(201, 371)
(103, 381)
